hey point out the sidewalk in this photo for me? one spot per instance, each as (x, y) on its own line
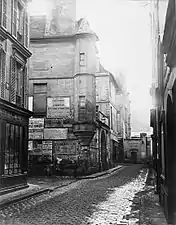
(41, 185)
(145, 208)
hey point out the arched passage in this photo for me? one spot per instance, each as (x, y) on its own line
(103, 151)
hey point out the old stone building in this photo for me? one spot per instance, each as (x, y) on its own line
(14, 54)
(164, 98)
(112, 100)
(66, 86)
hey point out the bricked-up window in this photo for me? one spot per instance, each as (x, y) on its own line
(82, 59)
(2, 73)
(3, 13)
(40, 94)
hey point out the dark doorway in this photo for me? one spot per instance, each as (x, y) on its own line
(134, 157)
(103, 151)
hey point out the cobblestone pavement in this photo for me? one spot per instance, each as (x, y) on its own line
(101, 201)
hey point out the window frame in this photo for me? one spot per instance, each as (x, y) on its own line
(82, 59)
(20, 27)
(12, 150)
(38, 93)
(2, 72)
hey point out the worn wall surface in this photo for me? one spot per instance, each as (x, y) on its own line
(52, 59)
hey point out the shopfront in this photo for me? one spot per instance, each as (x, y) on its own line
(13, 146)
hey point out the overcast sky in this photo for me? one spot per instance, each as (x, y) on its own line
(123, 28)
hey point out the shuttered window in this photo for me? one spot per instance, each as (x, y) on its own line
(12, 80)
(20, 22)
(25, 92)
(2, 73)
(26, 29)
(3, 13)
(4, 16)
(17, 83)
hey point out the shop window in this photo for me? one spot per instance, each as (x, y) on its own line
(39, 99)
(2, 73)
(3, 13)
(12, 149)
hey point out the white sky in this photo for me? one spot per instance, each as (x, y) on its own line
(123, 28)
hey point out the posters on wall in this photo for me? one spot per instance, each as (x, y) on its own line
(36, 128)
(58, 107)
(65, 149)
(41, 148)
(55, 133)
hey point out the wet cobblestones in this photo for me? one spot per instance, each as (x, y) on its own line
(105, 200)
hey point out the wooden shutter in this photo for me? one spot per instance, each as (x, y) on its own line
(26, 28)
(2, 73)
(0, 12)
(4, 17)
(25, 88)
(14, 17)
(13, 80)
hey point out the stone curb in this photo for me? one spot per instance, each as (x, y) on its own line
(100, 174)
(22, 197)
(50, 189)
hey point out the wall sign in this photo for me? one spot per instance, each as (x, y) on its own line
(36, 127)
(58, 107)
(65, 147)
(55, 133)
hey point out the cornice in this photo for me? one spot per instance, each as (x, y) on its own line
(14, 108)
(21, 48)
(61, 38)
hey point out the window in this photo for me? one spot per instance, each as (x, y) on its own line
(82, 101)
(13, 145)
(20, 22)
(82, 108)
(82, 58)
(39, 104)
(3, 13)
(18, 80)
(18, 83)
(30, 103)
(2, 73)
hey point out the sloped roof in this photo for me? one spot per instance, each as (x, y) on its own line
(38, 26)
(114, 79)
(84, 27)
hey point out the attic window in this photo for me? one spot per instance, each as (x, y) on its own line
(82, 58)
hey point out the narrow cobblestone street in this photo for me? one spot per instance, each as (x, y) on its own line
(104, 200)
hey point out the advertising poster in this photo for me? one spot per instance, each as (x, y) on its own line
(36, 127)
